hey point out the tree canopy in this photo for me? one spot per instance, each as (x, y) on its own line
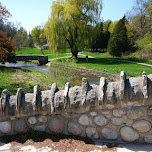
(68, 21)
(4, 13)
(118, 42)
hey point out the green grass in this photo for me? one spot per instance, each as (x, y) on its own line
(35, 51)
(12, 79)
(128, 58)
(109, 66)
(31, 51)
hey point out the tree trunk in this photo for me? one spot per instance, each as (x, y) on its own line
(74, 53)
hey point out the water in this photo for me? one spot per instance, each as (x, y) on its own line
(72, 75)
(19, 65)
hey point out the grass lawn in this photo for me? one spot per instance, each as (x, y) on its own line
(128, 58)
(37, 51)
(31, 51)
(113, 66)
(12, 79)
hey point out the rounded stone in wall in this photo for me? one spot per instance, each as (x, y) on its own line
(119, 112)
(118, 121)
(5, 127)
(40, 128)
(21, 126)
(148, 139)
(32, 120)
(84, 120)
(100, 120)
(109, 133)
(91, 132)
(75, 128)
(142, 126)
(105, 112)
(135, 113)
(42, 119)
(56, 125)
(128, 134)
(93, 113)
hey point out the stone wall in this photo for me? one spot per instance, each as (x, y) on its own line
(119, 111)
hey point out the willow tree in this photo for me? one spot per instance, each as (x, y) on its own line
(68, 22)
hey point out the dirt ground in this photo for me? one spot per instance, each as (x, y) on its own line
(42, 142)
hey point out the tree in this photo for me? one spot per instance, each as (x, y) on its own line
(36, 34)
(112, 26)
(118, 42)
(7, 48)
(4, 13)
(30, 41)
(141, 11)
(21, 38)
(106, 25)
(68, 22)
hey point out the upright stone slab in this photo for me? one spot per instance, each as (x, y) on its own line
(85, 85)
(45, 99)
(54, 89)
(20, 96)
(75, 97)
(101, 92)
(145, 86)
(66, 91)
(36, 105)
(91, 95)
(122, 85)
(5, 96)
(59, 100)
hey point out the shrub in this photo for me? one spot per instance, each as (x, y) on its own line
(7, 48)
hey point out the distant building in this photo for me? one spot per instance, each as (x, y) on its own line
(45, 46)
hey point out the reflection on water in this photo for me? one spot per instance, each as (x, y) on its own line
(18, 65)
(68, 75)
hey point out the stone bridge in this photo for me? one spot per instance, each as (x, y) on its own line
(43, 59)
(117, 111)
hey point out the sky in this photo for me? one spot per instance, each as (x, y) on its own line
(31, 13)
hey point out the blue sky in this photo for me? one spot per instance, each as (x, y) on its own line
(31, 13)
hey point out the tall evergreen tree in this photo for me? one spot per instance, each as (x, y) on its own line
(118, 42)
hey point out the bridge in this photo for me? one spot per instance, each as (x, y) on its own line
(43, 59)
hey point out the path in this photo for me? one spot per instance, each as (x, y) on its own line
(80, 53)
(37, 47)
